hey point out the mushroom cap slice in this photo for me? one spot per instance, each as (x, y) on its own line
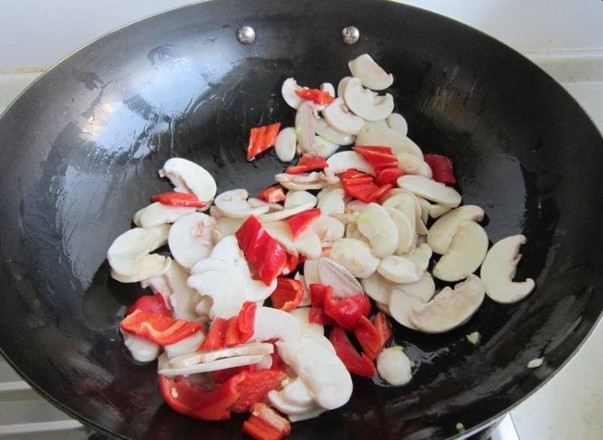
(413, 164)
(372, 134)
(191, 238)
(157, 214)
(498, 270)
(354, 255)
(365, 104)
(324, 147)
(299, 198)
(399, 269)
(430, 190)
(396, 121)
(332, 202)
(327, 132)
(234, 204)
(394, 366)
(328, 228)
(275, 324)
(288, 92)
(375, 223)
(450, 308)
(331, 273)
(285, 144)
(465, 254)
(423, 289)
(341, 119)
(370, 73)
(377, 287)
(305, 126)
(442, 231)
(344, 160)
(187, 176)
(226, 289)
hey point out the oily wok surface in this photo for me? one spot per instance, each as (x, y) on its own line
(80, 150)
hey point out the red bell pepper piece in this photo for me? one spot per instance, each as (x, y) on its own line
(287, 295)
(367, 335)
(246, 320)
(292, 262)
(317, 296)
(356, 363)
(347, 311)
(272, 194)
(198, 402)
(178, 199)
(263, 253)
(384, 328)
(214, 339)
(442, 168)
(266, 424)
(378, 157)
(233, 331)
(388, 175)
(261, 138)
(255, 386)
(158, 328)
(362, 186)
(298, 223)
(150, 303)
(307, 163)
(316, 96)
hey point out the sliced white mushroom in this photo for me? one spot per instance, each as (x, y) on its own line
(355, 256)
(423, 290)
(308, 245)
(157, 214)
(396, 121)
(333, 202)
(285, 144)
(328, 228)
(172, 283)
(498, 271)
(370, 73)
(443, 230)
(399, 269)
(430, 190)
(401, 306)
(226, 289)
(141, 349)
(198, 357)
(338, 117)
(394, 366)
(234, 204)
(343, 82)
(413, 164)
(285, 213)
(299, 198)
(293, 399)
(328, 133)
(374, 135)
(365, 104)
(375, 223)
(323, 147)
(331, 273)
(450, 308)
(380, 123)
(129, 254)
(302, 314)
(465, 254)
(191, 238)
(272, 324)
(288, 91)
(187, 345)
(355, 205)
(305, 126)
(306, 181)
(206, 367)
(311, 275)
(228, 225)
(323, 373)
(189, 177)
(344, 160)
(436, 211)
(421, 255)
(407, 233)
(377, 287)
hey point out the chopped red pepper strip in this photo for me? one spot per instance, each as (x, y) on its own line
(307, 163)
(266, 424)
(246, 320)
(316, 96)
(255, 386)
(355, 363)
(292, 262)
(388, 175)
(178, 199)
(346, 311)
(150, 303)
(378, 157)
(384, 328)
(214, 339)
(362, 186)
(442, 168)
(158, 328)
(272, 194)
(263, 253)
(261, 138)
(298, 223)
(198, 402)
(288, 294)
(367, 335)
(233, 331)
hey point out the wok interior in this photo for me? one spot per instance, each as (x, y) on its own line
(100, 125)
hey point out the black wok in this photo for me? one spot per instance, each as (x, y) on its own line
(79, 151)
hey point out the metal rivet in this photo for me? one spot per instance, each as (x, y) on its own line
(350, 34)
(246, 35)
